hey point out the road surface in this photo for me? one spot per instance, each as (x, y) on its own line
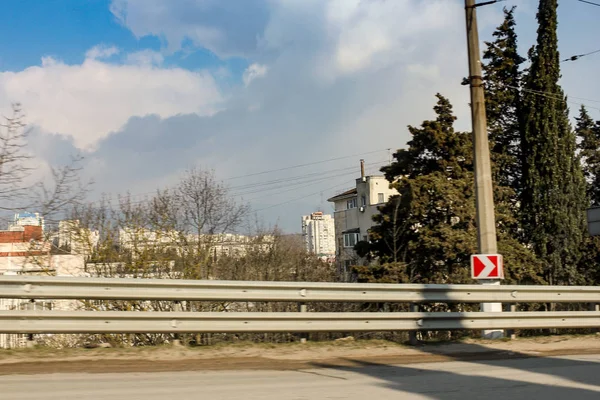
(571, 378)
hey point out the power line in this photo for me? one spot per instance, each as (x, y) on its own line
(153, 192)
(555, 96)
(305, 165)
(302, 179)
(258, 173)
(323, 176)
(589, 2)
(577, 57)
(310, 184)
(299, 198)
(288, 179)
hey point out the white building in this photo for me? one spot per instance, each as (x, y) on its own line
(318, 230)
(80, 240)
(219, 245)
(354, 211)
(28, 219)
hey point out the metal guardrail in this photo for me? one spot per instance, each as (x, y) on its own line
(182, 322)
(70, 288)
(26, 287)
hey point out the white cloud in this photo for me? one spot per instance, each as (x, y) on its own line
(227, 28)
(101, 52)
(145, 57)
(253, 72)
(337, 77)
(89, 100)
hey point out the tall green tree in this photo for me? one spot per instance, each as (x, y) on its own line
(427, 233)
(553, 196)
(588, 133)
(502, 79)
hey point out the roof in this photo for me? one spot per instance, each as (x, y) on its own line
(347, 193)
(26, 215)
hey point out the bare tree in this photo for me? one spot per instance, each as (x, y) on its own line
(206, 205)
(65, 190)
(50, 197)
(14, 159)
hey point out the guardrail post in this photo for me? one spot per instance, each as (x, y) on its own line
(302, 308)
(594, 307)
(177, 340)
(30, 338)
(412, 335)
(510, 333)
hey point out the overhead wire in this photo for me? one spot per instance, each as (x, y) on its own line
(300, 180)
(310, 184)
(578, 56)
(305, 165)
(288, 179)
(300, 198)
(297, 183)
(555, 96)
(258, 173)
(589, 2)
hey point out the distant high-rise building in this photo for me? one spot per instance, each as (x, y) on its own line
(318, 230)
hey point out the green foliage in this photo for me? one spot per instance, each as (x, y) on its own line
(553, 196)
(383, 273)
(502, 78)
(588, 133)
(429, 228)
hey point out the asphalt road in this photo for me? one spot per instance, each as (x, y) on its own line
(571, 378)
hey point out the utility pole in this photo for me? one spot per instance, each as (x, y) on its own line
(486, 222)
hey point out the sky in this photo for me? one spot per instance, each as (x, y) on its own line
(281, 98)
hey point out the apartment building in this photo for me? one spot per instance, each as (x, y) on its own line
(353, 216)
(77, 239)
(219, 245)
(22, 248)
(318, 232)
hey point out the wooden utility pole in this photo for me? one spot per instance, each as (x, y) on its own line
(486, 221)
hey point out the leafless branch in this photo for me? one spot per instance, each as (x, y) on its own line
(14, 168)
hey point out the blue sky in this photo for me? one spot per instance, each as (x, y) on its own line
(66, 29)
(147, 88)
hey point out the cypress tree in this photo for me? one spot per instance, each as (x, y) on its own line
(588, 133)
(502, 79)
(553, 196)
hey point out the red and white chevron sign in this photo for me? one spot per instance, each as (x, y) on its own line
(487, 266)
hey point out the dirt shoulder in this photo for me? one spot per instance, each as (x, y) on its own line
(291, 356)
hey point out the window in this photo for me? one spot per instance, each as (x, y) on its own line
(350, 239)
(351, 203)
(363, 201)
(380, 198)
